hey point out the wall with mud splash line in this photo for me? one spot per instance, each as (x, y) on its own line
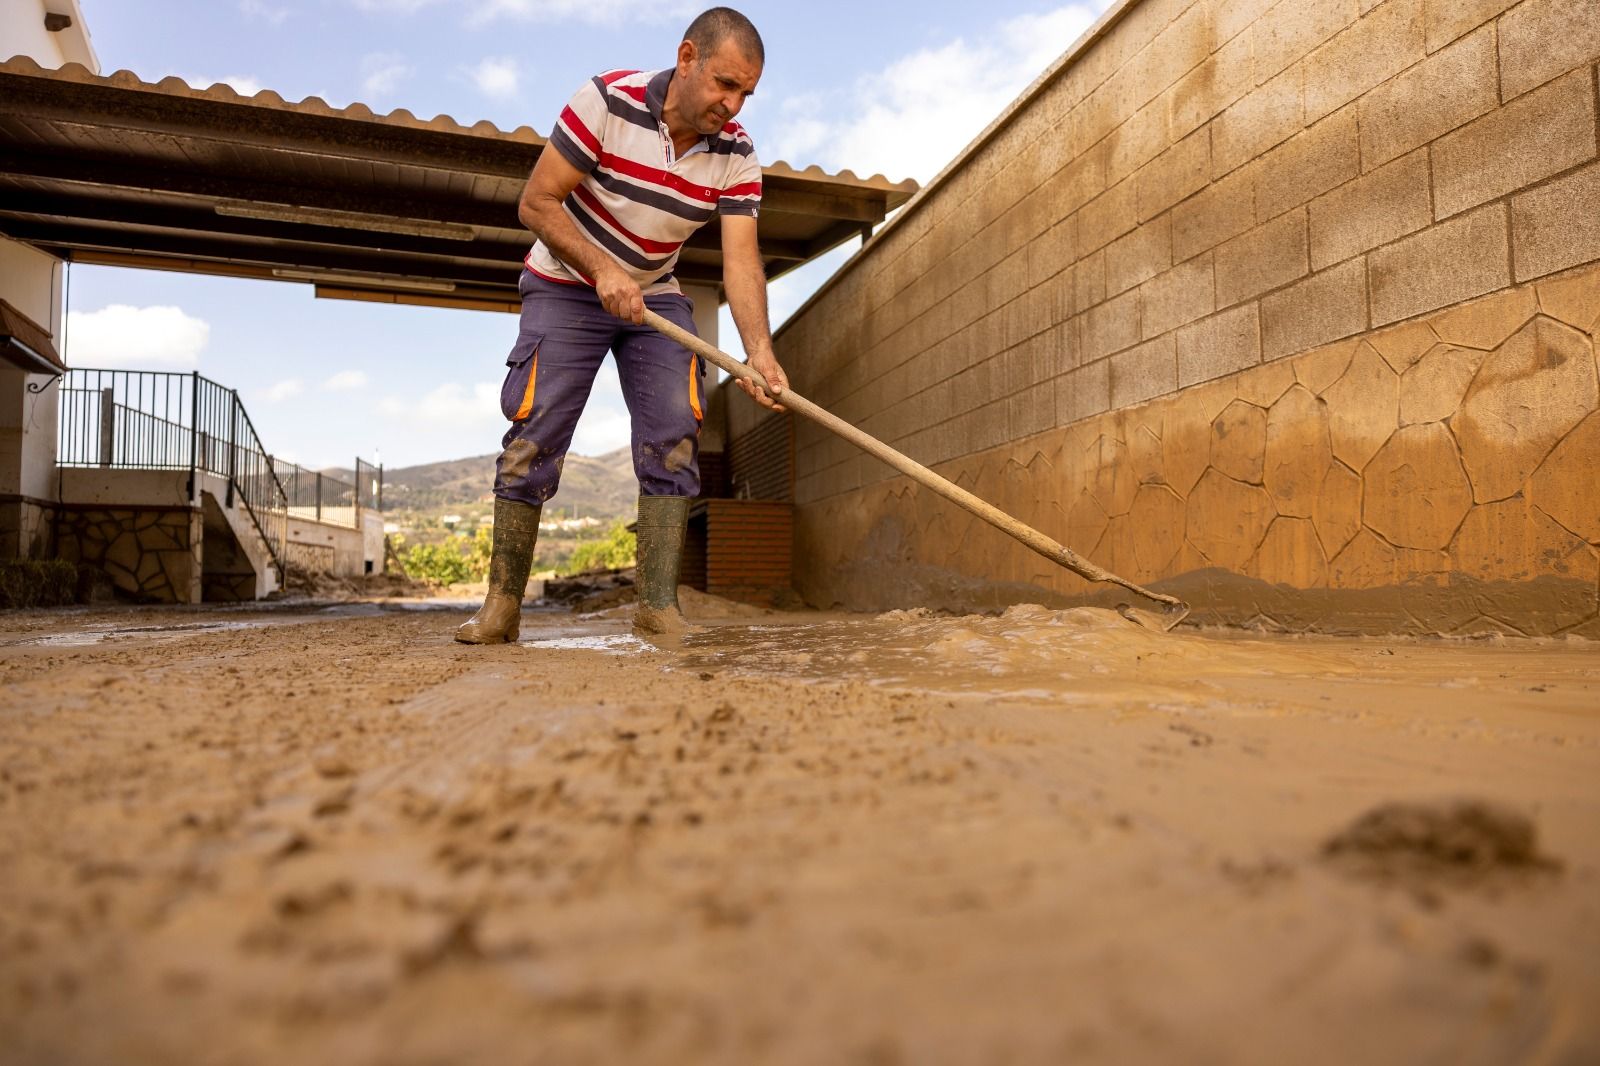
(1285, 302)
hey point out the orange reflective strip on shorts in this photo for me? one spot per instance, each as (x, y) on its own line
(527, 394)
(694, 388)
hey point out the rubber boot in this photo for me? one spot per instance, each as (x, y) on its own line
(662, 522)
(499, 620)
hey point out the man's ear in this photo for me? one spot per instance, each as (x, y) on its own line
(687, 55)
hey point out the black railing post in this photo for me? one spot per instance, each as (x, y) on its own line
(233, 444)
(194, 431)
(319, 495)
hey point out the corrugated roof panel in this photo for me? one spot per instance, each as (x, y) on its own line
(145, 171)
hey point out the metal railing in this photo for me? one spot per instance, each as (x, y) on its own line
(157, 420)
(325, 497)
(318, 496)
(369, 484)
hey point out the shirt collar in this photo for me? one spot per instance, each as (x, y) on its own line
(655, 91)
(655, 98)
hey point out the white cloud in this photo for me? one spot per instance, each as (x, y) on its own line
(382, 73)
(460, 416)
(285, 389)
(386, 7)
(601, 430)
(603, 12)
(452, 404)
(264, 11)
(346, 381)
(496, 77)
(594, 12)
(915, 115)
(139, 337)
(242, 84)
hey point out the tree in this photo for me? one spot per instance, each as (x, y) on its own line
(439, 564)
(617, 549)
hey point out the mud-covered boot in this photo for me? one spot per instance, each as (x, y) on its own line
(662, 521)
(499, 620)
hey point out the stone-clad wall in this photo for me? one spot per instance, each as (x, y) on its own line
(153, 555)
(1206, 190)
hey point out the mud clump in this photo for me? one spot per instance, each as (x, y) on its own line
(1460, 843)
(594, 591)
(321, 585)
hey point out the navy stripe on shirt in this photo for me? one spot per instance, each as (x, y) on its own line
(611, 242)
(649, 197)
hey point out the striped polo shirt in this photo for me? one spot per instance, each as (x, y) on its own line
(639, 200)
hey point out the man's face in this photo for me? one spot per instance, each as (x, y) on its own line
(713, 91)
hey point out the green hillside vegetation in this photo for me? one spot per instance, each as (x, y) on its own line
(418, 500)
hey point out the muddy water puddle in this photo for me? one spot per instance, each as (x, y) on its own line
(99, 631)
(1028, 652)
(86, 637)
(614, 643)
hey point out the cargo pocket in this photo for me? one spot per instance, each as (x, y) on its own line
(516, 395)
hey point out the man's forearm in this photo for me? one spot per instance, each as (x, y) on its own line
(551, 224)
(747, 299)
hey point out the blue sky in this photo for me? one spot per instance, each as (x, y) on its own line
(897, 88)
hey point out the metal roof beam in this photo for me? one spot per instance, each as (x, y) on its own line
(284, 255)
(200, 219)
(214, 185)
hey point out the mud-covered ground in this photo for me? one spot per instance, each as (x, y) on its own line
(320, 834)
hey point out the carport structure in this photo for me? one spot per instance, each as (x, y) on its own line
(117, 171)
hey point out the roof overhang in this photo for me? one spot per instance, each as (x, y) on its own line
(118, 171)
(26, 345)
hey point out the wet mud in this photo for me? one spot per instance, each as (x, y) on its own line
(1467, 843)
(327, 833)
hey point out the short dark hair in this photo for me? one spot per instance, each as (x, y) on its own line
(711, 27)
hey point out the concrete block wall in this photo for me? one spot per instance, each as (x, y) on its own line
(1204, 191)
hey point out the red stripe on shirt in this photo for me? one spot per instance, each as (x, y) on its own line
(579, 130)
(635, 91)
(749, 188)
(623, 165)
(527, 261)
(617, 75)
(645, 244)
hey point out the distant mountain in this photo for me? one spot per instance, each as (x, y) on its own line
(599, 486)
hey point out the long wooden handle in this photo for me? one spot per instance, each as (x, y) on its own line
(1045, 546)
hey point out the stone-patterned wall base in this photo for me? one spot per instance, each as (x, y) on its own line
(312, 558)
(1438, 476)
(151, 555)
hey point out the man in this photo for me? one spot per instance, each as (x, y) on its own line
(640, 160)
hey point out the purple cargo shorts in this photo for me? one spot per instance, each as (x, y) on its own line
(564, 337)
